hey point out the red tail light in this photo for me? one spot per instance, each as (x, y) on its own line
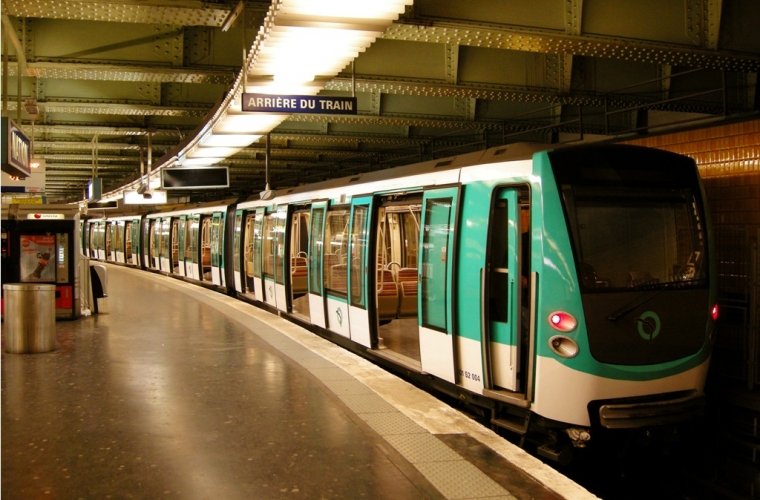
(562, 321)
(714, 312)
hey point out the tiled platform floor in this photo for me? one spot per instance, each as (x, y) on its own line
(177, 391)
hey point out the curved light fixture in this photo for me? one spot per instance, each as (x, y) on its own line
(302, 45)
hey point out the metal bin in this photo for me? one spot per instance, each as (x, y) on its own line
(29, 317)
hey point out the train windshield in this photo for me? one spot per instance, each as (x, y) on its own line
(635, 219)
(636, 238)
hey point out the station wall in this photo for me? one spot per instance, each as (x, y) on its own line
(728, 158)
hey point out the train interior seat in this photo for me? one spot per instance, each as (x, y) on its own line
(407, 285)
(387, 295)
(298, 275)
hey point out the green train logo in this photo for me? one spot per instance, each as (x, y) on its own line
(648, 325)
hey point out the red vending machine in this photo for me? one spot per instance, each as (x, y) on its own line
(41, 245)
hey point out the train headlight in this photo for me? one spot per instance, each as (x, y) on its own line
(562, 321)
(563, 346)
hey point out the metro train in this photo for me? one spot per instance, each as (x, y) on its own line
(559, 291)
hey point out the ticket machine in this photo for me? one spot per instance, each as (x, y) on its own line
(40, 244)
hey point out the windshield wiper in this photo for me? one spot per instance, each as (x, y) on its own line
(638, 301)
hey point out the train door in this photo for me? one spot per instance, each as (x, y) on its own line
(237, 243)
(438, 242)
(94, 235)
(316, 252)
(164, 246)
(282, 265)
(268, 251)
(299, 262)
(181, 232)
(108, 233)
(147, 240)
(155, 244)
(174, 235)
(137, 242)
(505, 285)
(118, 241)
(205, 247)
(128, 225)
(217, 249)
(397, 284)
(86, 238)
(257, 220)
(359, 270)
(191, 247)
(335, 269)
(101, 240)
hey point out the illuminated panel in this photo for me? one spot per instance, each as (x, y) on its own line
(195, 178)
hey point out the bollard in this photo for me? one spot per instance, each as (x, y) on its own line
(29, 317)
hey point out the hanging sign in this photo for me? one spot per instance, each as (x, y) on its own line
(35, 183)
(327, 105)
(16, 150)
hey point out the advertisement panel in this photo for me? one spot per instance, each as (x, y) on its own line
(38, 258)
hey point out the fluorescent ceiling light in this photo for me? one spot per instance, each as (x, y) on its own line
(228, 140)
(249, 122)
(217, 152)
(200, 162)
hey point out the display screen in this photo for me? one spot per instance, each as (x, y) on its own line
(191, 178)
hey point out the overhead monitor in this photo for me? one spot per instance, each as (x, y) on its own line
(195, 178)
(94, 189)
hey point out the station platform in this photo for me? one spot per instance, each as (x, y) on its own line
(175, 391)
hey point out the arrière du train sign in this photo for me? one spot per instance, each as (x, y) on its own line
(329, 105)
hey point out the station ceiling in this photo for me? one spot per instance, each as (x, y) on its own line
(446, 77)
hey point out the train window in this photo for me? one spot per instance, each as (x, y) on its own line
(336, 250)
(316, 247)
(268, 244)
(108, 231)
(279, 235)
(248, 252)
(627, 238)
(175, 245)
(499, 265)
(205, 244)
(164, 241)
(435, 247)
(146, 239)
(258, 242)
(128, 241)
(236, 243)
(189, 255)
(359, 242)
(216, 246)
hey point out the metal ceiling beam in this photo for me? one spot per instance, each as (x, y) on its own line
(87, 146)
(117, 108)
(182, 12)
(125, 72)
(523, 39)
(100, 130)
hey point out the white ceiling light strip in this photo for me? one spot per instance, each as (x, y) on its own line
(301, 45)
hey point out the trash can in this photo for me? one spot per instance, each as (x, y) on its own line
(29, 317)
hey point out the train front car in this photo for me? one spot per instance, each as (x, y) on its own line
(626, 295)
